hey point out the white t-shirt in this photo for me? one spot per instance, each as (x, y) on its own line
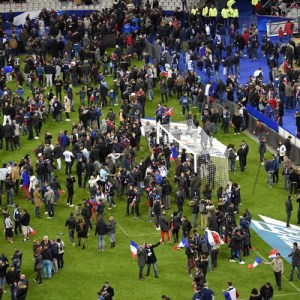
(68, 155)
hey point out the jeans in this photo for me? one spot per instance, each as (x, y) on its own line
(47, 267)
(194, 218)
(237, 254)
(214, 257)
(71, 235)
(141, 272)
(278, 278)
(2, 282)
(55, 265)
(292, 272)
(111, 237)
(60, 260)
(12, 290)
(39, 276)
(154, 267)
(101, 242)
(10, 196)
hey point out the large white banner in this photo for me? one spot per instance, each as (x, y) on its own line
(21, 19)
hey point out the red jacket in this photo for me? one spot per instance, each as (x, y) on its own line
(288, 28)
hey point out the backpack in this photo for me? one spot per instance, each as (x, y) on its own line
(269, 166)
(204, 248)
(231, 154)
(202, 207)
(48, 166)
(40, 168)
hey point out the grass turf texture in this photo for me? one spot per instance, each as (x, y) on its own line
(85, 271)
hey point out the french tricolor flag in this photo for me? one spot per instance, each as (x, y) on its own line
(133, 249)
(212, 237)
(181, 245)
(256, 263)
(273, 253)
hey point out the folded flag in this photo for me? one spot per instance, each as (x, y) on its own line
(133, 249)
(181, 245)
(273, 253)
(256, 263)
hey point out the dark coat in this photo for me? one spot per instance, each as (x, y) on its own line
(151, 257)
(164, 223)
(295, 257)
(101, 227)
(142, 256)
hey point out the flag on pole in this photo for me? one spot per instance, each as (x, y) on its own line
(133, 249)
(181, 245)
(256, 263)
(273, 253)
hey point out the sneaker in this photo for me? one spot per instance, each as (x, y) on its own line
(13, 205)
(114, 205)
(46, 213)
(109, 207)
(73, 244)
(157, 228)
(35, 280)
(241, 262)
(68, 203)
(49, 218)
(40, 284)
(71, 205)
(232, 260)
(36, 138)
(262, 163)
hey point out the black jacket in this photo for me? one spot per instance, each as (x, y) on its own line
(151, 257)
(101, 228)
(25, 219)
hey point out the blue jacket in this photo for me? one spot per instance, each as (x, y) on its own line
(64, 140)
(25, 178)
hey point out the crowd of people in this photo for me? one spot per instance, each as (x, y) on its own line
(101, 154)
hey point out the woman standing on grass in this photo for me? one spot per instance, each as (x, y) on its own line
(9, 229)
(81, 232)
(67, 103)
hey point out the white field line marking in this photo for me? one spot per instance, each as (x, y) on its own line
(291, 283)
(127, 235)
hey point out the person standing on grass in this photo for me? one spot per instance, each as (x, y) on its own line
(71, 224)
(82, 231)
(37, 199)
(142, 258)
(11, 279)
(17, 219)
(164, 224)
(295, 254)
(38, 267)
(277, 268)
(151, 258)
(288, 210)
(262, 149)
(266, 291)
(101, 230)
(25, 221)
(111, 226)
(70, 186)
(68, 155)
(47, 261)
(9, 229)
(231, 293)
